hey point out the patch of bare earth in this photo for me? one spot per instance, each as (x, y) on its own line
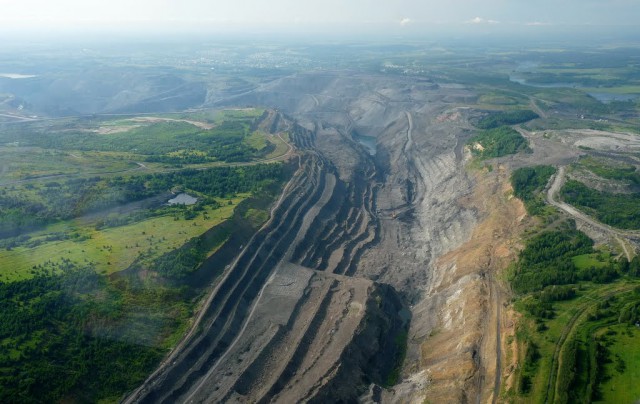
(111, 130)
(153, 119)
(465, 357)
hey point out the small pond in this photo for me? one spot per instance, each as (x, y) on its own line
(183, 199)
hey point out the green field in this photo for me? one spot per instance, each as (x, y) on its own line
(633, 89)
(596, 260)
(257, 140)
(112, 249)
(578, 321)
(623, 387)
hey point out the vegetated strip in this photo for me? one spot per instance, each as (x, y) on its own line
(618, 210)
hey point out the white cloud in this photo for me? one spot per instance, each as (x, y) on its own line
(537, 24)
(480, 20)
(405, 21)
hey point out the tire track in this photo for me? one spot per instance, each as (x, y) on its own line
(568, 330)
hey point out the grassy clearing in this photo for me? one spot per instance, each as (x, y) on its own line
(32, 162)
(257, 216)
(497, 99)
(257, 140)
(281, 146)
(596, 260)
(623, 387)
(216, 116)
(614, 90)
(111, 249)
(580, 321)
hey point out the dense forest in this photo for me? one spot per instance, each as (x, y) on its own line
(546, 260)
(66, 335)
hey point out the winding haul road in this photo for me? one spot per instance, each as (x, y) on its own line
(568, 329)
(618, 234)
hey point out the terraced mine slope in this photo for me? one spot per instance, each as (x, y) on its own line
(309, 310)
(275, 329)
(405, 210)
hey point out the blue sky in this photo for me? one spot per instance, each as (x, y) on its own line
(293, 15)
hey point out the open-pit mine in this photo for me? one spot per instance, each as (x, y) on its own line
(376, 267)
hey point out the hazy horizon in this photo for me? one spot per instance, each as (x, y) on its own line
(330, 18)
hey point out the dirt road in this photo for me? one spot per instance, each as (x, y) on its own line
(558, 182)
(564, 337)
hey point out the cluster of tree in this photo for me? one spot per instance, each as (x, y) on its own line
(593, 352)
(557, 293)
(213, 182)
(540, 304)
(182, 261)
(528, 182)
(505, 118)
(546, 260)
(619, 210)
(12, 242)
(497, 142)
(531, 359)
(17, 215)
(568, 369)
(630, 268)
(630, 313)
(54, 355)
(621, 173)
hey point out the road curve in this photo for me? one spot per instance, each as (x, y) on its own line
(556, 185)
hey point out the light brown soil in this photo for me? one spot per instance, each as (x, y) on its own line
(153, 119)
(462, 354)
(110, 130)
